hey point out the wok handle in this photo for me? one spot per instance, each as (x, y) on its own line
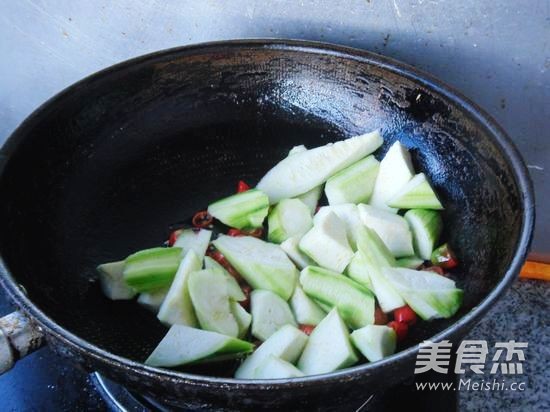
(18, 337)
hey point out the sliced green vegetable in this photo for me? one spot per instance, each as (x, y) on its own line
(269, 313)
(327, 244)
(430, 295)
(358, 270)
(411, 262)
(311, 198)
(245, 210)
(328, 348)
(198, 241)
(291, 248)
(375, 256)
(416, 194)
(208, 291)
(349, 215)
(355, 303)
(233, 289)
(297, 149)
(305, 310)
(243, 318)
(426, 226)
(276, 368)
(375, 342)
(177, 307)
(287, 344)
(153, 299)
(395, 171)
(112, 281)
(392, 229)
(354, 184)
(290, 217)
(152, 269)
(301, 172)
(183, 345)
(262, 264)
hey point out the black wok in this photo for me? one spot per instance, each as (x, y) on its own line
(105, 167)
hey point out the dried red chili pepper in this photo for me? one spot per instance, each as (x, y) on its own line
(202, 219)
(242, 186)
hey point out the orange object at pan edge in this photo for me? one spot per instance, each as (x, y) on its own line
(536, 267)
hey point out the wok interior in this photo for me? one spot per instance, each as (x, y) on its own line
(105, 170)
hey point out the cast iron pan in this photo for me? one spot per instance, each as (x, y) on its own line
(105, 167)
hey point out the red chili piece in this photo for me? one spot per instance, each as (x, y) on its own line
(218, 257)
(307, 329)
(174, 236)
(436, 269)
(236, 232)
(443, 256)
(242, 186)
(405, 314)
(202, 219)
(401, 329)
(246, 290)
(380, 318)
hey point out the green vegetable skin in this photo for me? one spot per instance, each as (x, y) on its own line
(416, 194)
(245, 210)
(426, 226)
(183, 345)
(290, 217)
(354, 302)
(152, 269)
(328, 348)
(287, 344)
(301, 172)
(411, 262)
(263, 265)
(354, 184)
(428, 294)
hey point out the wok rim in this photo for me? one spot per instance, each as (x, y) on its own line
(496, 133)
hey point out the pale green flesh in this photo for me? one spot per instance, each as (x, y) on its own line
(177, 307)
(263, 265)
(243, 318)
(269, 313)
(375, 342)
(152, 300)
(276, 368)
(233, 289)
(287, 343)
(208, 291)
(327, 244)
(198, 242)
(311, 198)
(305, 310)
(152, 269)
(392, 229)
(354, 184)
(245, 210)
(354, 302)
(290, 217)
(426, 226)
(428, 294)
(111, 277)
(183, 345)
(301, 172)
(349, 215)
(374, 257)
(395, 171)
(416, 194)
(291, 248)
(328, 348)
